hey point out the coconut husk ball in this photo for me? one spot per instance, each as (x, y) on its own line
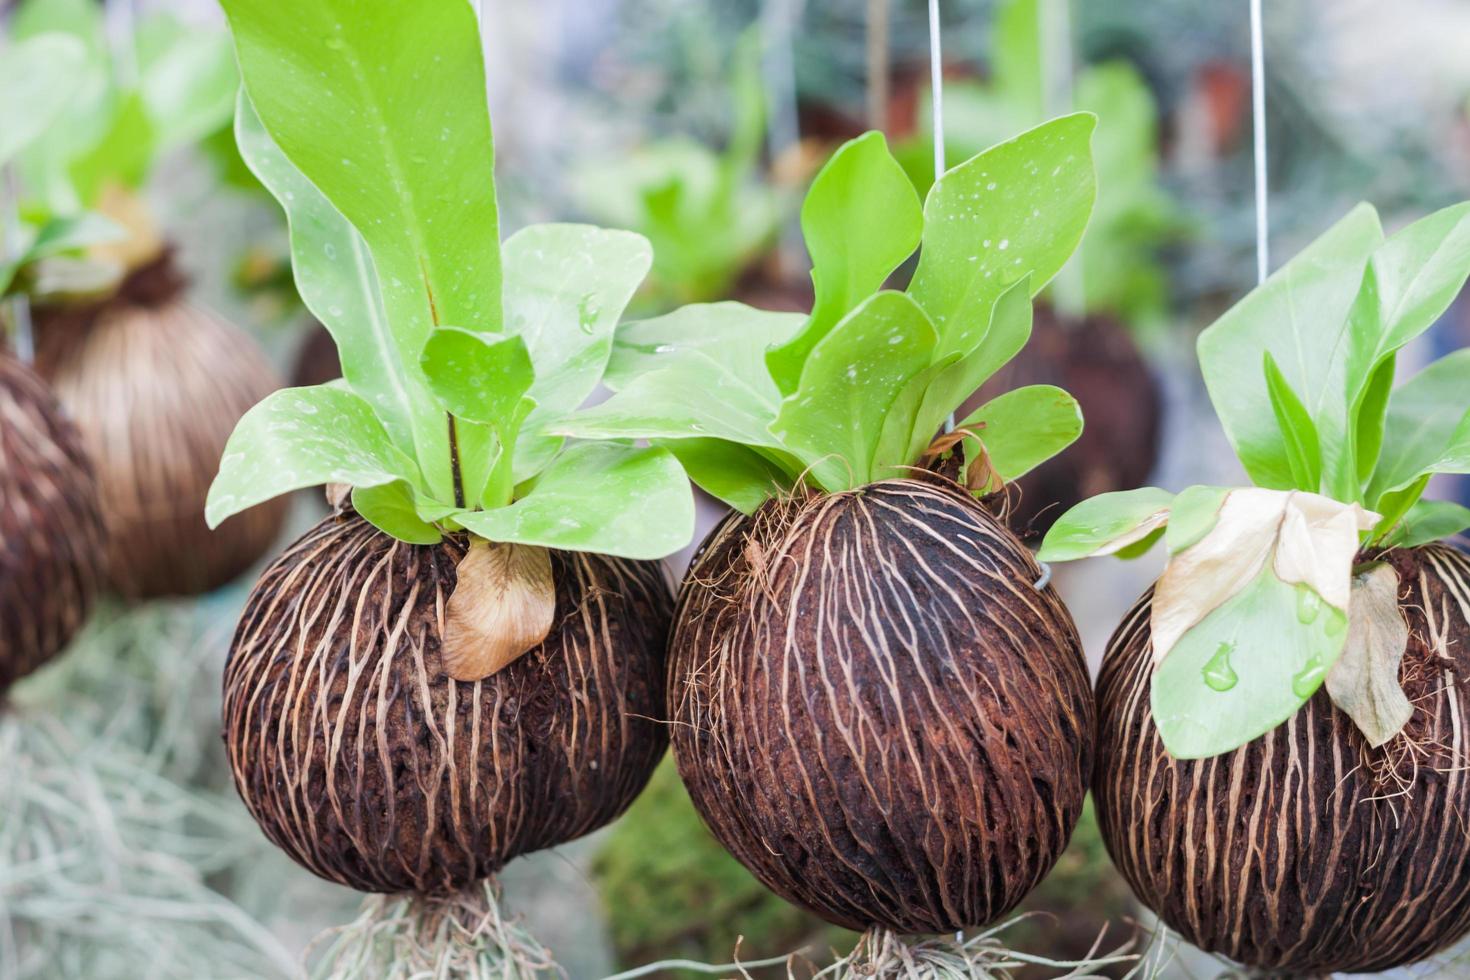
(1307, 851)
(52, 542)
(156, 386)
(875, 709)
(369, 765)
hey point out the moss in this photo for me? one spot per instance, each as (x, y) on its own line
(671, 891)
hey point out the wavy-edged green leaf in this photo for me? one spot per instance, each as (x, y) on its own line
(1428, 521)
(303, 437)
(1245, 668)
(39, 78)
(1299, 315)
(1008, 328)
(382, 107)
(834, 420)
(566, 287)
(475, 376)
(1193, 514)
(1105, 524)
(1023, 428)
(389, 507)
(338, 282)
(1019, 208)
(861, 220)
(121, 156)
(736, 335)
(1428, 427)
(599, 497)
(735, 474)
(1298, 432)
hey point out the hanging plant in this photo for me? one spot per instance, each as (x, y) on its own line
(155, 385)
(465, 662)
(862, 664)
(1111, 303)
(1284, 703)
(706, 213)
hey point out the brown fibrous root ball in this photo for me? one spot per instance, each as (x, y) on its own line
(366, 763)
(51, 533)
(874, 708)
(156, 386)
(1306, 851)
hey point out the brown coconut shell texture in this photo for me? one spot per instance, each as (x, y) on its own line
(156, 386)
(366, 763)
(51, 534)
(875, 710)
(1305, 851)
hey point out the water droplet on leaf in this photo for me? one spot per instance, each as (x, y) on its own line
(1218, 673)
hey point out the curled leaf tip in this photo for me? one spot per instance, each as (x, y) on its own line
(503, 606)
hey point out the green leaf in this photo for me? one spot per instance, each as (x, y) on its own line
(1019, 208)
(1008, 328)
(1245, 668)
(1142, 546)
(39, 78)
(1023, 428)
(189, 87)
(1369, 417)
(303, 437)
(1106, 524)
(56, 236)
(382, 107)
(122, 156)
(1428, 521)
(1299, 315)
(735, 335)
(735, 474)
(603, 498)
(1428, 428)
(852, 377)
(861, 220)
(338, 282)
(475, 376)
(1193, 515)
(1298, 433)
(566, 287)
(389, 507)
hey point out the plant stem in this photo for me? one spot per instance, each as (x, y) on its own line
(454, 462)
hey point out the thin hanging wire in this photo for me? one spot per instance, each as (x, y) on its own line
(936, 101)
(1258, 124)
(1055, 50)
(18, 306)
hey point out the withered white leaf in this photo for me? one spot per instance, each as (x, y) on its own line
(504, 604)
(1365, 680)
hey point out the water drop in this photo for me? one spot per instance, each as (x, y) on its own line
(1309, 679)
(664, 349)
(1308, 604)
(1218, 673)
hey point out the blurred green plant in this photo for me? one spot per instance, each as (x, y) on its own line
(1134, 219)
(707, 213)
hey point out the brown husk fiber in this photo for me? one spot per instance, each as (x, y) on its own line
(1306, 851)
(1095, 359)
(362, 759)
(874, 709)
(51, 534)
(156, 387)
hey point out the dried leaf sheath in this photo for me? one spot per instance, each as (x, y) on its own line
(361, 759)
(51, 534)
(1305, 851)
(875, 711)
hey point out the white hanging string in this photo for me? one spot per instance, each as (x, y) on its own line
(1258, 123)
(936, 101)
(1054, 43)
(19, 306)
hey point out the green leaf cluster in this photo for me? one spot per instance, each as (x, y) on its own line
(459, 353)
(706, 213)
(175, 88)
(754, 402)
(1118, 263)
